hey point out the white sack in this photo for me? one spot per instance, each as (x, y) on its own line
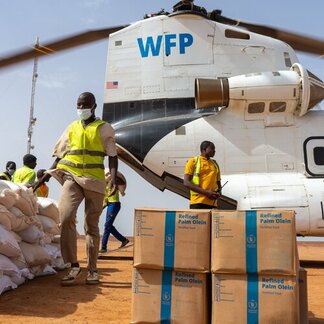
(6, 284)
(39, 271)
(20, 261)
(8, 245)
(8, 198)
(32, 234)
(4, 184)
(25, 202)
(19, 221)
(48, 207)
(34, 254)
(53, 250)
(8, 268)
(49, 225)
(5, 217)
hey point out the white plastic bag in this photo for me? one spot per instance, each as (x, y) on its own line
(48, 207)
(6, 284)
(8, 245)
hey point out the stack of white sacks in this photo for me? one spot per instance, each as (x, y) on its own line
(29, 236)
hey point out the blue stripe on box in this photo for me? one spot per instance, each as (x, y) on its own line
(251, 244)
(252, 299)
(166, 294)
(169, 233)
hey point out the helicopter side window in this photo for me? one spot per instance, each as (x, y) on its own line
(229, 33)
(314, 156)
(256, 108)
(319, 155)
(287, 59)
(277, 107)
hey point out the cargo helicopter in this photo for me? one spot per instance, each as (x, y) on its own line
(177, 78)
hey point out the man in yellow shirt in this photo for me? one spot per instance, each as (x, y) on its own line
(202, 177)
(26, 174)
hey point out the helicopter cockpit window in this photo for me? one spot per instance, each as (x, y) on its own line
(277, 107)
(256, 108)
(229, 33)
(319, 155)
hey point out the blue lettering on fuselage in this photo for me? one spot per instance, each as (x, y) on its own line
(171, 41)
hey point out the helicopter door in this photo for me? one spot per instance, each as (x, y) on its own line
(314, 156)
(281, 196)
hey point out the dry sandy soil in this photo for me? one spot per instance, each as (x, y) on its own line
(43, 300)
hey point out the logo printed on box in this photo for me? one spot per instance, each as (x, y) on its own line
(166, 297)
(252, 305)
(250, 240)
(169, 238)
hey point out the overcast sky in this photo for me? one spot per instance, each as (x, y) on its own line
(64, 76)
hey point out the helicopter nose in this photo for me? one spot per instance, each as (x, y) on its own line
(311, 87)
(316, 92)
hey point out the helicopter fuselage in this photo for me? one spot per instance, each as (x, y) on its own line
(270, 156)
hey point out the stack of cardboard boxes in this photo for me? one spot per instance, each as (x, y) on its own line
(254, 267)
(252, 257)
(171, 262)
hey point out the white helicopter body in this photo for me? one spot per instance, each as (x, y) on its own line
(269, 146)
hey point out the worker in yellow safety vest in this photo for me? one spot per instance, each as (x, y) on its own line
(10, 170)
(26, 174)
(42, 190)
(112, 202)
(202, 176)
(79, 167)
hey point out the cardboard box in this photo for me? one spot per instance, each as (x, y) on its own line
(262, 241)
(166, 296)
(252, 298)
(303, 297)
(172, 240)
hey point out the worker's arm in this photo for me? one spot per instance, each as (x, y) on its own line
(113, 167)
(211, 194)
(46, 176)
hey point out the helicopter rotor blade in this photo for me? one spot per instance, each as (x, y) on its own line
(58, 45)
(297, 41)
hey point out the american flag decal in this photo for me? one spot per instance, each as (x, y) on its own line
(112, 85)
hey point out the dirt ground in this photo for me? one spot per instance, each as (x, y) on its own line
(43, 300)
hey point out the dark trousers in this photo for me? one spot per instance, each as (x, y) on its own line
(112, 211)
(201, 206)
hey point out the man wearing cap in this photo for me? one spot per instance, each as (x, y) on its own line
(26, 175)
(79, 167)
(10, 170)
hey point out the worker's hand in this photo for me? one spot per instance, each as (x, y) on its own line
(212, 194)
(36, 185)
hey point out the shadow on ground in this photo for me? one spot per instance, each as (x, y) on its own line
(49, 299)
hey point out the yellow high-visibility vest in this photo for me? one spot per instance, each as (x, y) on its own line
(110, 199)
(195, 178)
(86, 155)
(4, 175)
(24, 175)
